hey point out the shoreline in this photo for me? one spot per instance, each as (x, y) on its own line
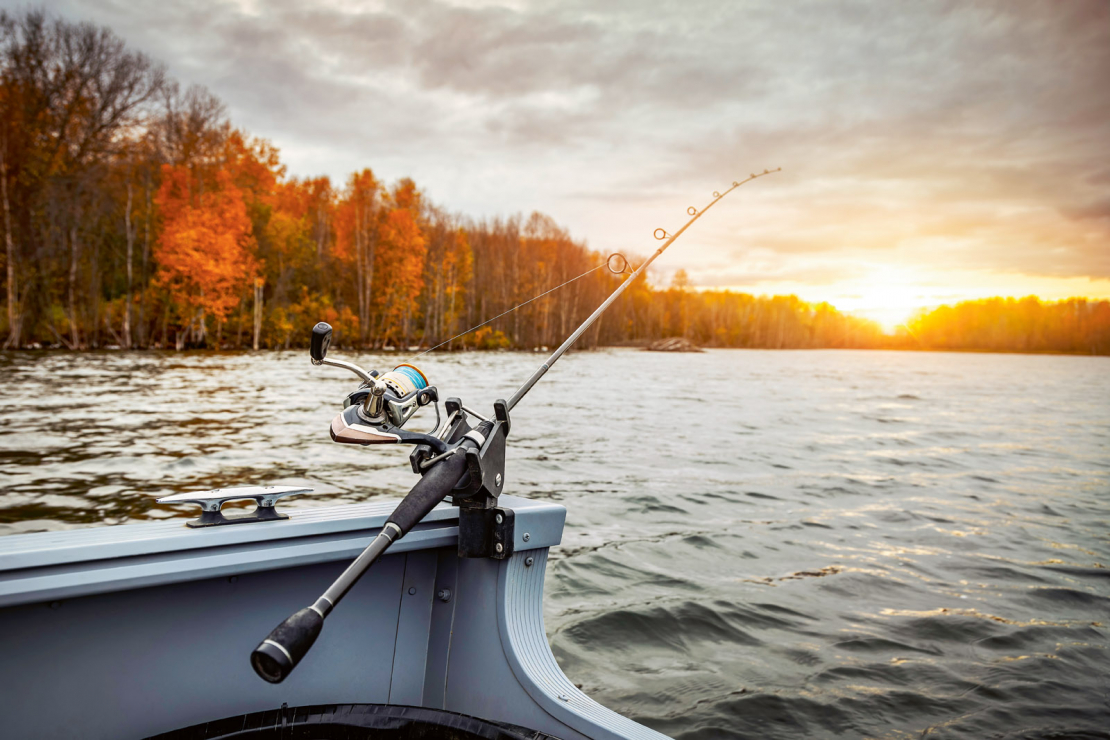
(535, 350)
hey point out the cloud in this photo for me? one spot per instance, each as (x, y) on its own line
(1099, 209)
(968, 136)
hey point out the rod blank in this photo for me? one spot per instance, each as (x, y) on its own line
(542, 369)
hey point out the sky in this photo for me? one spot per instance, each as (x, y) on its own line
(931, 151)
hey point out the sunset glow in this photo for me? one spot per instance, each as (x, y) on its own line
(891, 295)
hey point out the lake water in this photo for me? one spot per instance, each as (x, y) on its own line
(759, 544)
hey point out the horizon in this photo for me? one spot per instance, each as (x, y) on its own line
(930, 155)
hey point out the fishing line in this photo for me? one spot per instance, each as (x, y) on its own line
(660, 234)
(623, 269)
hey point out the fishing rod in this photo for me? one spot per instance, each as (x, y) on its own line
(456, 459)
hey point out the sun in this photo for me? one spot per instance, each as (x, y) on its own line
(889, 295)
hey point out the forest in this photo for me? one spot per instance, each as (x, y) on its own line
(136, 215)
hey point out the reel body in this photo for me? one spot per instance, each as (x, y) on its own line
(377, 411)
(405, 391)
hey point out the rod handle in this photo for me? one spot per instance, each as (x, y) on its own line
(436, 485)
(277, 655)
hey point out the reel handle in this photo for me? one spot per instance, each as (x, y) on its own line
(321, 340)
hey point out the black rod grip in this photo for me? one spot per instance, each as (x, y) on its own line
(435, 486)
(428, 491)
(277, 655)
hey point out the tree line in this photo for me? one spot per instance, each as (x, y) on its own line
(136, 215)
(1027, 324)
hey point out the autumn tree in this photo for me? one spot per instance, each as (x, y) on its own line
(357, 231)
(73, 98)
(448, 270)
(205, 251)
(399, 258)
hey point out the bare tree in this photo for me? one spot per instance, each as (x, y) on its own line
(78, 99)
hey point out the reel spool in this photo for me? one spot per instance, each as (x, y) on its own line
(394, 396)
(405, 379)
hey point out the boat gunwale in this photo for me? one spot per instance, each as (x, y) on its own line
(45, 567)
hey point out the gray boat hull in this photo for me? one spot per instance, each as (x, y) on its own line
(142, 629)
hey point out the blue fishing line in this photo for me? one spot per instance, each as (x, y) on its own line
(417, 379)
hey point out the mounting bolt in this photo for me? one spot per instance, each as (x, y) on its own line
(528, 561)
(444, 594)
(527, 536)
(500, 519)
(55, 605)
(497, 480)
(233, 579)
(412, 591)
(499, 547)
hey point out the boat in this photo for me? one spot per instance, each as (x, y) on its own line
(145, 629)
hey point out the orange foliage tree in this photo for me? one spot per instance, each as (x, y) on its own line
(400, 256)
(205, 251)
(448, 269)
(356, 227)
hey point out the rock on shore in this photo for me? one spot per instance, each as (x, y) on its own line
(674, 344)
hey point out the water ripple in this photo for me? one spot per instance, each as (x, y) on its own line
(785, 545)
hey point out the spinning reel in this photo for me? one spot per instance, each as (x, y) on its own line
(377, 411)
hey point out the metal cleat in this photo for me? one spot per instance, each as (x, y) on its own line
(210, 503)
